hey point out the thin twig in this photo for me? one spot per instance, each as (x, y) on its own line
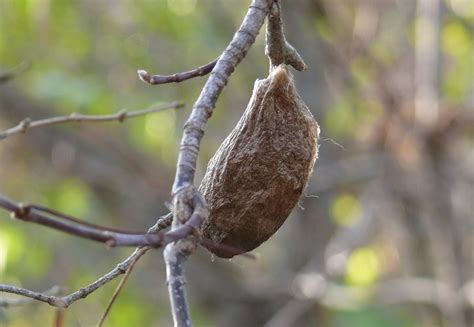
(278, 50)
(110, 236)
(178, 77)
(31, 214)
(59, 317)
(66, 301)
(42, 297)
(117, 291)
(119, 116)
(6, 302)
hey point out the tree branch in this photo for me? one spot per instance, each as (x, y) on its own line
(66, 301)
(278, 50)
(110, 236)
(117, 291)
(175, 258)
(113, 237)
(178, 77)
(5, 303)
(204, 106)
(120, 116)
(187, 201)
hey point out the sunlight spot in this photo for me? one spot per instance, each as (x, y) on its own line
(346, 210)
(363, 267)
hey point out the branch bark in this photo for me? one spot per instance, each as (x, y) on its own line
(66, 301)
(278, 50)
(27, 124)
(187, 201)
(178, 77)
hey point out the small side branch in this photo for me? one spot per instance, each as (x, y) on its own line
(27, 295)
(27, 124)
(178, 77)
(66, 301)
(278, 50)
(110, 236)
(117, 291)
(62, 222)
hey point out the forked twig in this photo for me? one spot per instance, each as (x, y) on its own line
(66, 301)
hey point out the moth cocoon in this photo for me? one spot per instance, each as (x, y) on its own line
(257, 175)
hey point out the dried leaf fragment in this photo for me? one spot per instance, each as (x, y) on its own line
(257, 175)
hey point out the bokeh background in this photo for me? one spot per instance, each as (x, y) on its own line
(384, 235)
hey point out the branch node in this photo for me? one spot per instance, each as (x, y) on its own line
(22, 211)
(58, 302)
(122, 267)
(144, 76)
(177, 77)
(122, 115)
(278, 50)
(24, 124)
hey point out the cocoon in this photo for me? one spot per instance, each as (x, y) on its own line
(257, 175)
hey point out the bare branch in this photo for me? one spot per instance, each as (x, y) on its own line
(59, 317)
(204, 106)
(191, 203)
(278, 50)
(117, 291)
(43, 297)
(178, 77)
(35, 214)
(120, 116)
(110, 236)
(176, 282)
(66, 301)
(4, 302)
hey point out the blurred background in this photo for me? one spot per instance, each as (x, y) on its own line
(384, 235)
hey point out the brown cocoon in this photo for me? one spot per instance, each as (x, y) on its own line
(259, 172)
